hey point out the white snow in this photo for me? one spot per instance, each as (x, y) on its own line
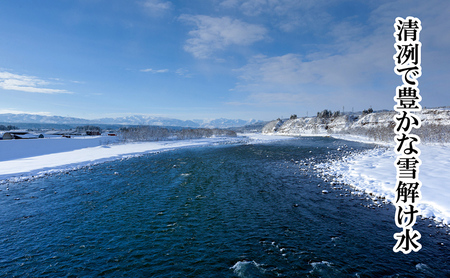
(14, 149)
(358, 138)
(436, 117)
(22, 159)
(373, 171)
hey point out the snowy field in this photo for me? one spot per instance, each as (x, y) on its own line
(371, 171)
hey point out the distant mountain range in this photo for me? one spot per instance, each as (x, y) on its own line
(129, 120)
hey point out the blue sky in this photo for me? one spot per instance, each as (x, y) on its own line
(247, 59)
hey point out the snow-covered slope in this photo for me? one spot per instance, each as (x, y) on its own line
(379, 125)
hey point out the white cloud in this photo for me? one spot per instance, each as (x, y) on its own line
(356, 67)
(291, 69)
(183, 72)
(287, 15)
(330, 80)
(156, 7)
(352, 67)
(286, 69)
(272, 99)
(15, 111)
(155, 71)
(352, 58)
(25, 83)
(217, 33)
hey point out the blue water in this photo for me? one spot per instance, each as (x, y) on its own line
(218, 211)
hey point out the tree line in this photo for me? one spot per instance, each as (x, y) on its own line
(8, 127)
(155, 133)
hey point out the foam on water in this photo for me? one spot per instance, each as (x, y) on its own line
(248, 269)
(323, 269)
(426, 270)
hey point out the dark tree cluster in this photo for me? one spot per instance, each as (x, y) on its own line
(368, 111)
(194, 133)
(8, 127)
(325, 114)
(155, 133)
(88, 127)
(144, 133)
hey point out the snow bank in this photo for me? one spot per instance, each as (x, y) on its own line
(14, 149)
(362, 139)
(21, 159)
(373, 171)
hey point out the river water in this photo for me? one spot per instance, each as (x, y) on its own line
(219, 211)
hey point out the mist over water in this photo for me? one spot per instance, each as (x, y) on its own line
(218, 211)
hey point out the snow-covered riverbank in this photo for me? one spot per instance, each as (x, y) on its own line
(373, 171)
(22, 159)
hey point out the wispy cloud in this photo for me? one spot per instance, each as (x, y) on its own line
(271, 99)
(287, 15)
(326, 77)
(183, 72)
(156, 7)
(25, 83)
(359, 54)
(15, 111)
(286, 69)
(355, 63)
(155, 71)
(217, 33)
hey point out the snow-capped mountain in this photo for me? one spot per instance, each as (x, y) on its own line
(146, 120)
(224, 123)
(32, 118)
(128, 120)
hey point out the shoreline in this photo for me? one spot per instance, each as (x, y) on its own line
(46, 161)
(372, 171)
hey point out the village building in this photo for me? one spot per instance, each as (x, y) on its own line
(20, 135)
